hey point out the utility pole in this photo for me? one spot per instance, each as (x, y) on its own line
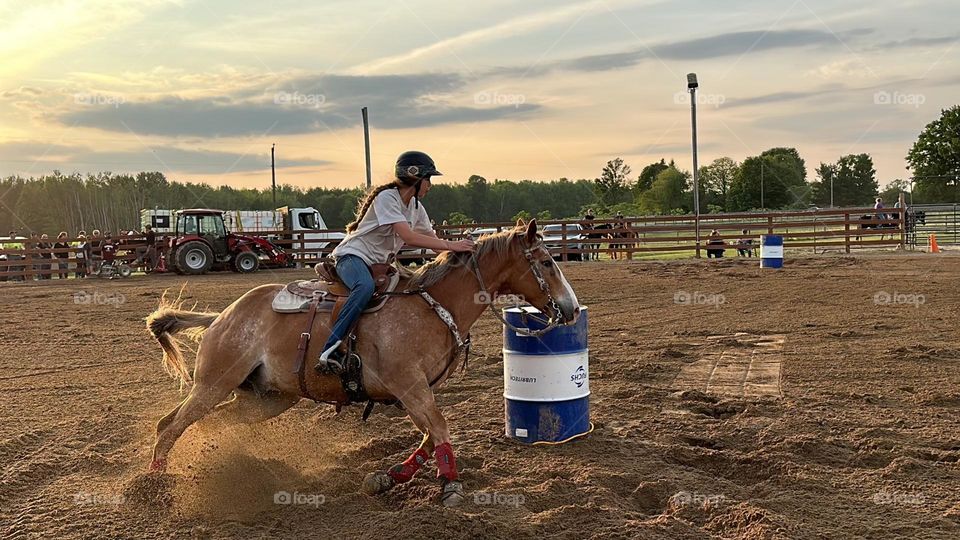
(273, 173)
(366, 142)
(692, 85)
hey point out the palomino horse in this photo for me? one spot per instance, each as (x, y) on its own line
(250, 351)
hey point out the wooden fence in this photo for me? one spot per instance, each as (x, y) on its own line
(840, 229)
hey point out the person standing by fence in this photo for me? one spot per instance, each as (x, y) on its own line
(716, 251)
(151, 238)
(95, 253)
(83, 254)
(46, 256)
(62, 255)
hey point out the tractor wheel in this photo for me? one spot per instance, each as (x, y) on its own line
(170, 262)
(194, 258)
(246, 262)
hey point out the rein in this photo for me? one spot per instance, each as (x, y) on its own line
(544, 286)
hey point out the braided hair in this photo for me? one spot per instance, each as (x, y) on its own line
(367, 200)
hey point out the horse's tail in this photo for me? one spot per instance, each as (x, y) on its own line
(166, 322)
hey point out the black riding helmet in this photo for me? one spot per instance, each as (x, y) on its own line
(413, 168)
(416, 165)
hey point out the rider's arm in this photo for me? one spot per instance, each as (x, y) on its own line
(420, 240)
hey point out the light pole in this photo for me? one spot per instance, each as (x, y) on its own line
(762, 206)
(273, 174)
(692, 88)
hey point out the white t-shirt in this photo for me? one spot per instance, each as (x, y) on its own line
(374, 240)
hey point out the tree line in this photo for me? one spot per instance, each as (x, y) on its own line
(775, 179)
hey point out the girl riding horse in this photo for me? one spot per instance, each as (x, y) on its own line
(390, 217)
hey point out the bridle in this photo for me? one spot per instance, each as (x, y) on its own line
(552, 304)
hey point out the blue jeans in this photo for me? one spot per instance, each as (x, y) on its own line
(356, 276)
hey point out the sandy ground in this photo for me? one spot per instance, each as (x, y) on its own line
(822, 400)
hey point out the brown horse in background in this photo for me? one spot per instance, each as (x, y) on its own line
(250, 351)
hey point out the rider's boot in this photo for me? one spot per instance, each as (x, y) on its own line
(332, 360)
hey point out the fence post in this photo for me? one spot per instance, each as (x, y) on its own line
(769, 224)
(563, 240)
(629, 238)
(696, 226)
(903, 223)
(303, 248)
(846, 232)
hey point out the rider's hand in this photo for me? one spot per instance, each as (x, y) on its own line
(461, 245)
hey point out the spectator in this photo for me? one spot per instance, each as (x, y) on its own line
(879, 206)
(715, 240)
(95, 254)
(83, 254)
(14, 243)
(151, 240)
(46, 257)
(587, 223)
(62, 255)
(745, 245)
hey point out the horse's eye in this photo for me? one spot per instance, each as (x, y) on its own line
(547, 263)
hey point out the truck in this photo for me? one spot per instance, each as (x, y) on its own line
(291, 220)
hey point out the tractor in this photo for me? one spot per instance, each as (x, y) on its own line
(201, 242)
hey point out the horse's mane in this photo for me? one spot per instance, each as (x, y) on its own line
(434, 271)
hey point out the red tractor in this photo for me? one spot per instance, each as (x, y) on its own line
(201, 243)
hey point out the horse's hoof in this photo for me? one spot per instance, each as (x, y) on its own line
(452, 494)
(378, 482)
(158, 465)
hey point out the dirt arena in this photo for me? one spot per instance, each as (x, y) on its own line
(818, 401)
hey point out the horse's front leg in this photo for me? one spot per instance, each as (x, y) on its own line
(423, 410)
(380, 481)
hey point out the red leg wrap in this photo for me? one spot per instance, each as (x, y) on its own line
(446, 464)
(404, 472)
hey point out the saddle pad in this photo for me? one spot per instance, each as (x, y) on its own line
(288, 302)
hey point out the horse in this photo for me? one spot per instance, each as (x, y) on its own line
(597, 232)
(870, 221)
(408, 348)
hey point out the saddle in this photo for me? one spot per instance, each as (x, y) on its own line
(328, 294)
(296, 296)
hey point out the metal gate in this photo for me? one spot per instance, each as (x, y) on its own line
(942, 220)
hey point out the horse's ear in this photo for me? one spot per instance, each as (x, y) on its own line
(520, 223)
(532, 231)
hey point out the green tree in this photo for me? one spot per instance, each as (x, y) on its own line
(935, 159)
(670, 191)
(770, 180)
(612, 187)
(649, 174)
(523, 214)
(891, 193)
(852, 179)
(715, 180)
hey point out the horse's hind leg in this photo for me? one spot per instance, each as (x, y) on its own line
(248, 407)
(201, 400)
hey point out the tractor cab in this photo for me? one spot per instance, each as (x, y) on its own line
(208, 225)
(201, 242)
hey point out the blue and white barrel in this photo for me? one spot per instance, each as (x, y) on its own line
(771, 251)
(546, 379)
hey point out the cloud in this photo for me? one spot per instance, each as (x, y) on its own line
(915, 42)
(301, 105)
(162, 158)
(728, 44)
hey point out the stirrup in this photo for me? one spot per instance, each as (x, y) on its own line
(332, 360)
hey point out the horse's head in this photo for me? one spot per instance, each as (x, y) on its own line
(537, 278)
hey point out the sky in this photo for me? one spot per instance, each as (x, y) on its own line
(201, 89)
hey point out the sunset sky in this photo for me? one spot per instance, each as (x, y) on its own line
(199, 90)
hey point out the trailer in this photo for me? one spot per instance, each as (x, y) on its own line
(283, 224)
